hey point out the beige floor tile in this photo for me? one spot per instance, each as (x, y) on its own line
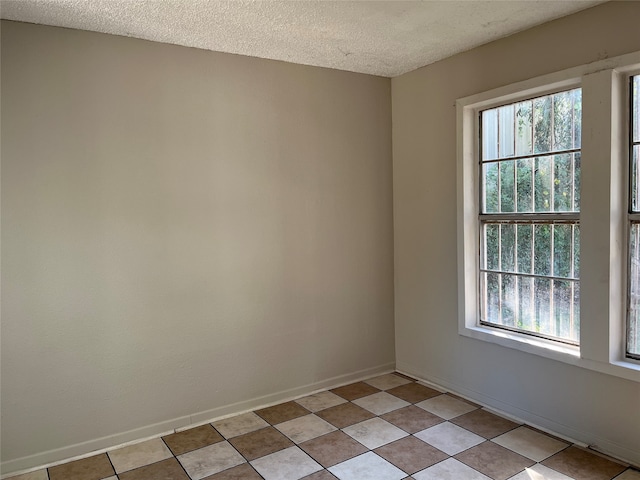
(484, 423)
(381, 403)
(305, 428)
(168, 469)
(629, 474)
(239, 425)
(91, 468)
(494, 461)
(368, 466)
(139, 455)
(412, 419)
(450, 469)
(320, 401)
(355, 390)
(386, 382)
(192, 439)
(583, 465)
(534, 445)
(540, 472)
(449, 438)
(37, 475)
(333, 448)
(374, 433)
(210, 460)
(446, 406)
(344, 415)
(260, 443)
(413, 392)
(282, 412)
(411, 454)
(290, 463)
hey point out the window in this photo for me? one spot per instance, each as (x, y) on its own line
(545, 217)
(530, 201)
(633, 329)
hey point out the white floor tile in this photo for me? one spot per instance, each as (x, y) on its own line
(449, 469)
(446, 406)
(239, 425)
(290, 464)
(368, 466)
(449, 438)
(386, 382)
(534, 445)
(380, 403)
(320, 401)
(305, 428)
(540, 472)
(374, 433)
(209, 460)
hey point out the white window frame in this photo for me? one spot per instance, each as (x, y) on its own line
(603, 215)
(632, 217)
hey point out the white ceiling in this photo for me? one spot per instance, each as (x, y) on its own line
(384, 38)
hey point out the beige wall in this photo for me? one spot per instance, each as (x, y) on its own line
(184, 234)
(588, 406)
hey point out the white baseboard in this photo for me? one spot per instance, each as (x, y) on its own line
(571, 434)
(111, 442)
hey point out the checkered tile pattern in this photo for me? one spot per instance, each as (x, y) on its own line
(387, 428)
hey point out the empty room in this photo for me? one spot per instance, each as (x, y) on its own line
(353, 240)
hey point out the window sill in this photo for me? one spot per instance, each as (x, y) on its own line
(627, 369)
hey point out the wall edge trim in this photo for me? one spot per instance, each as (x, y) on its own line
(100, 445)
(596, 443)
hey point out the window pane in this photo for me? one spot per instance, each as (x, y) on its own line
(562, 121)
(543, 125)
(508, 243)
(636, 108)
(542, 249)
(576, 251)
(577, 118)
(633, 337)
(563, 183)
(542, 306)
(490, 182)
(635, 179)
(526, 302)
(524, 185)
(562, 250)
(576, 181)
(542, 184)
(490, 134)
(563, 312)
(491, 241)
(524, 128)
(509, 300)
(507, 186)
(542, 109)
(506, 122)
(492, 303)
(525, 248)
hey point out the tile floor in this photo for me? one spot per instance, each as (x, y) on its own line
(386, 428)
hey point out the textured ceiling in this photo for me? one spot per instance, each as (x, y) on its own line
(384, 38)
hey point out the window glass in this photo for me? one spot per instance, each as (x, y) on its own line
(530, 184)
